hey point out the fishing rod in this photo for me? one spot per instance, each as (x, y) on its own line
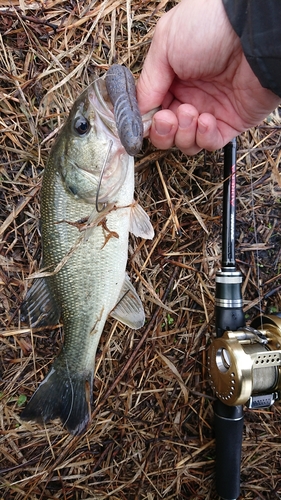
(244, 362)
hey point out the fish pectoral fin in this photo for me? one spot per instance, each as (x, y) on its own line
(39, 307)
(140, 224)
(129, 309)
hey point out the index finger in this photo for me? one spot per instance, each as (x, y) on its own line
(156, 77)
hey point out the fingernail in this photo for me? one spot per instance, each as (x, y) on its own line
(162, 127)
(202, 128)
(185, 121)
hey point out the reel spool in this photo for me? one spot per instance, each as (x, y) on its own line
(245, 365)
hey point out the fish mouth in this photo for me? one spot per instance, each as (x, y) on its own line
(100, 101)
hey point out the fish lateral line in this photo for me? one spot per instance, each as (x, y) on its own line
(84, 227)
(70, 252)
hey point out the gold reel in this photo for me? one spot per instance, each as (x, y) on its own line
(245, 365)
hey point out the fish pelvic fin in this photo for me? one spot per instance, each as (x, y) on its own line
(62, 395)
(129, 308)
(39, 308)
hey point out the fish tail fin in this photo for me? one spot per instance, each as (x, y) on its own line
(62, 395)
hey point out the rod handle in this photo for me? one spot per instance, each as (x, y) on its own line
(229, 435)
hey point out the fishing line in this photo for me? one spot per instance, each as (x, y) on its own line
(256, 252)
(71, 388)
(100, 179)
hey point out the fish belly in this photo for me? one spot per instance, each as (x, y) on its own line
(86, 289)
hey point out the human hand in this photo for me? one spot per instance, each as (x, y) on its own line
(196, 70)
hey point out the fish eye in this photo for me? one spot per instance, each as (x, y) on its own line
(81, 125)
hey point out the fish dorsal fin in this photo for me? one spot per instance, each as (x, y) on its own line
(129, 309)
(140, 224)
(39, 307)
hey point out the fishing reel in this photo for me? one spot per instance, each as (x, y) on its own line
(245, 365)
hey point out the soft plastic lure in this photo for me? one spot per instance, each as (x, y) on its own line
(121, 89)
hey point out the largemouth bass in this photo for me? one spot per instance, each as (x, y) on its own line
(87, 212)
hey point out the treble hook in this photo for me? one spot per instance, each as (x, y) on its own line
(100, 179)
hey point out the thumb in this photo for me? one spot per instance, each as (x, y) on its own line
(155, 79)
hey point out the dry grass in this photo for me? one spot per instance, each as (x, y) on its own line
(151, 435)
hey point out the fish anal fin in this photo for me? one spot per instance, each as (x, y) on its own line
(140, 224)
(39, 307)
(62, 395)
(129, 308)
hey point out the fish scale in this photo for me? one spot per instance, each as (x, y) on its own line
(94, 291)
(90, 177)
